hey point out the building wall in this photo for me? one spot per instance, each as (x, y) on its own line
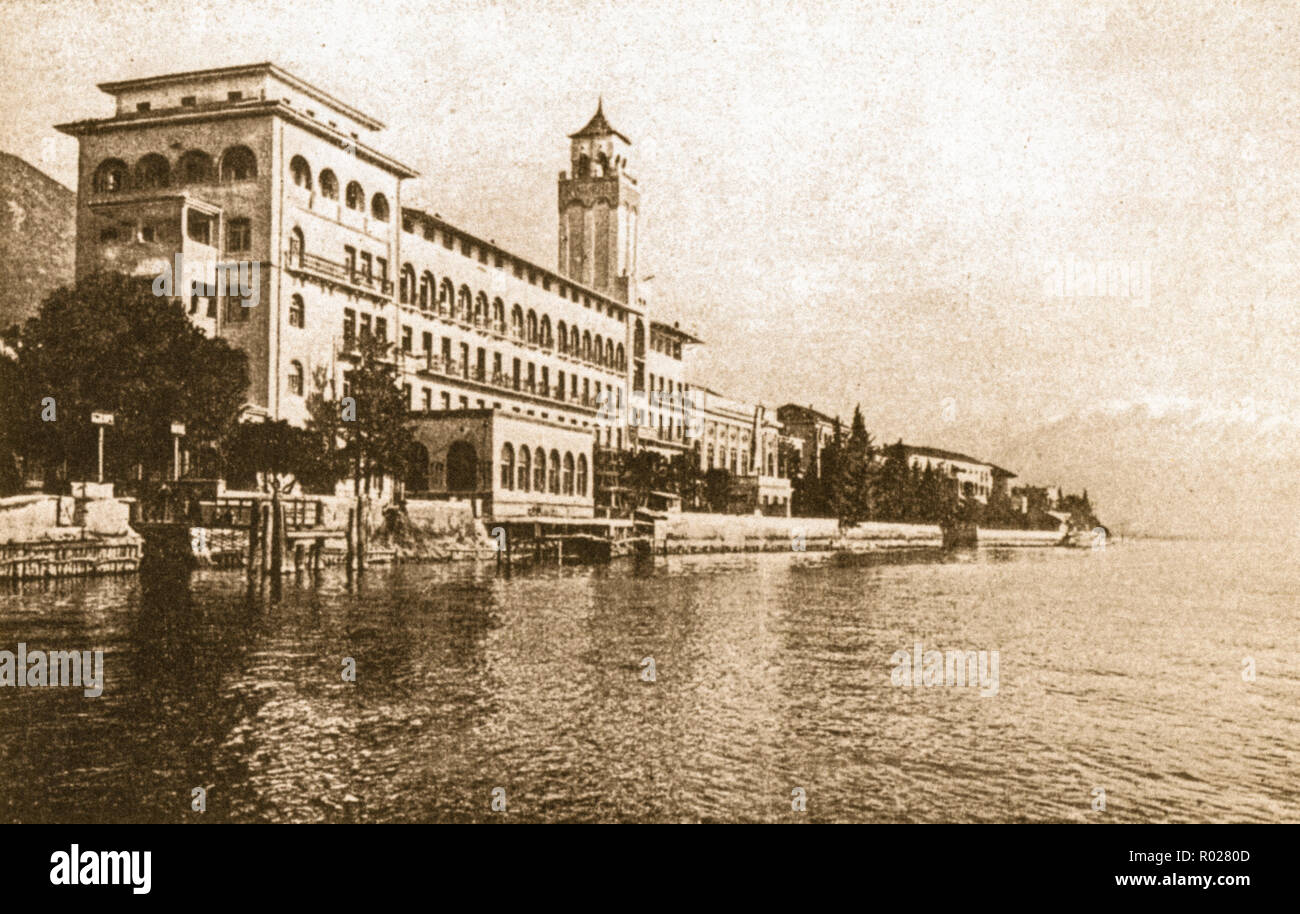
(498, 441)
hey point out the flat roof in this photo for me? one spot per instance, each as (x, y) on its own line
(116, 87)
(439, 222)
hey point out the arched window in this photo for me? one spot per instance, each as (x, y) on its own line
(329, 185)
(525, 475)
(152, 171)
(598, 351)
(562, 335)
(462, 467)
(553, 473)
(638, 340)
(586, 345)
(620, 358)
(195, 167)
(446, 295)
(355, 197)
(609, 353)
(498, 315)
(580, 484)
(406, 287)
(295, 378)
(110, 177)
(531, 326)
(427, 287)
(539, 470)
(465, 304)
(517, 322)
(507, 466)
(575, 342)
(544, 332)
(481, 309)
(301, 172)
(238, 164)
(297, 312)
(568, 474)
(379, 207)
(297, 245)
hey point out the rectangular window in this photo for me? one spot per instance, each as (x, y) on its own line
(464, 402)
(199, 227)
(428, 399)
(381, 329)
(381, 264)
(365, 326)
(367, 265)
(428, 342)
(239, 235)
(446, 400)
(446, 351)
(143, 106)
(234, 96)
(406, 395)
(349, 326)
(187, 101)
(350, 260)
(406, 339)
(464, 360)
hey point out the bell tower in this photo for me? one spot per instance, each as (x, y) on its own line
(599, 210)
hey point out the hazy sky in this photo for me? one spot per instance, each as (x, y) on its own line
(851, 202)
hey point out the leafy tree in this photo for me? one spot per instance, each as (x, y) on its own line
(277, 452)
(109, 343)
(717, 489)
(366, 430)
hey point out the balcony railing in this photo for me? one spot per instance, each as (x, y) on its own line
(339, 271)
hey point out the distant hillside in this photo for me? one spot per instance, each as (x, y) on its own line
(37, 238)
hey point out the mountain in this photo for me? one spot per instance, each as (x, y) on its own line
(1173, 466)
(37, 238)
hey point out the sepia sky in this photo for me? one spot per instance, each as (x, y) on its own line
(851, 202)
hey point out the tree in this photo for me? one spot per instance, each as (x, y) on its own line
(277, 452)
(894, 484)
(109, 343)
(852, 496)
(368, 427)
(717, 489)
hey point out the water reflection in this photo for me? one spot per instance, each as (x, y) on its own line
(1120, 669)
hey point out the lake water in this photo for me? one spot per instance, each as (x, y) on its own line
(1119, 670)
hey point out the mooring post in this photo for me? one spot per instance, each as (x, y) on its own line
(277, 546)
(253, 520)
(350, 533)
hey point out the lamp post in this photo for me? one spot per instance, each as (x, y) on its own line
(101, 419)
(178, 432)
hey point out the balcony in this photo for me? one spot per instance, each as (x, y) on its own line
(338, 272)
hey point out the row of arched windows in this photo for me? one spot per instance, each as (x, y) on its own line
(354, 196)
(155, 170)
(532, 470)
(464, 305)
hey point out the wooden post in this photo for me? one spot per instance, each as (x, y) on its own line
(277, 546)
(350, 533)
(252, 544)
(361, 535)
(264, 515)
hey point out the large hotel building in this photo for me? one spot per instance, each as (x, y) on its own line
(515, 373)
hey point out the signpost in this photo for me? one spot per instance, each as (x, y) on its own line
(101, 419)
(178, 432)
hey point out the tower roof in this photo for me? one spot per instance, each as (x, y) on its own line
(598, 126)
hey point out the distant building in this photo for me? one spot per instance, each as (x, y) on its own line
(744, 439)
(814, 430)
(975, 478)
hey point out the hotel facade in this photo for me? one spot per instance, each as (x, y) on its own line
(252, 165)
